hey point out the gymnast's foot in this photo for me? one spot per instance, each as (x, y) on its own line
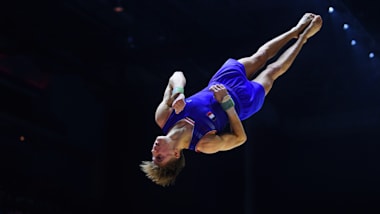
(314, 26)
(303, 23)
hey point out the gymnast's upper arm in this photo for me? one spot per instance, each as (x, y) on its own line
(213, 143)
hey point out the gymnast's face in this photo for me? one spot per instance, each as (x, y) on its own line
(163, 151)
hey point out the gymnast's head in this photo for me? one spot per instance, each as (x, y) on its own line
(167, 162)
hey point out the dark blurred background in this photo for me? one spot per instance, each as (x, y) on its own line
(80, 81)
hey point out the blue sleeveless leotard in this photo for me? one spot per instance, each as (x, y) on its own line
(206, 112)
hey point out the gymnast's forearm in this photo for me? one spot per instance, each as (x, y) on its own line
(236, 127)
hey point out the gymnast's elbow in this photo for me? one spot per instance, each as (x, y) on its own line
(241, 140)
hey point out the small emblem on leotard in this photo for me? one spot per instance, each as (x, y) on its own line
(210, 115)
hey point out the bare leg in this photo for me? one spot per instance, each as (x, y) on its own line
(282, 64)
(256, 61)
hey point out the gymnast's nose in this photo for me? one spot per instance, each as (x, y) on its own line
(155, 147)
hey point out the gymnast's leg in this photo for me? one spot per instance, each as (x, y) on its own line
(256, 61)
(267, 77)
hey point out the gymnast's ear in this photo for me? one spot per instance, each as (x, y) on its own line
(177, 153)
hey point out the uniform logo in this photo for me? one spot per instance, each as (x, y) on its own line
(210, 115)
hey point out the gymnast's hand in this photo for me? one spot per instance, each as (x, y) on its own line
(179, 103)
(219, 91)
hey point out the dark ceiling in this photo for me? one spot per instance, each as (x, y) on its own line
(90, 37)
(81, 82)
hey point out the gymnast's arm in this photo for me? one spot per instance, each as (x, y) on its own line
(213, 143)
(171, 97)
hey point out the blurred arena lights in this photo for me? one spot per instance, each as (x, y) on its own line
(331, 9)
(352, 27)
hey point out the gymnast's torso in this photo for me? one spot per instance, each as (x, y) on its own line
(203, 112)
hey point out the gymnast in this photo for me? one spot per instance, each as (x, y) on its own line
(234, 93)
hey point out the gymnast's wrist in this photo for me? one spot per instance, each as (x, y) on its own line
(178, 90)
(227, 102)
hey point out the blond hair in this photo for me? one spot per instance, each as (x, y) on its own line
(163, 175)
